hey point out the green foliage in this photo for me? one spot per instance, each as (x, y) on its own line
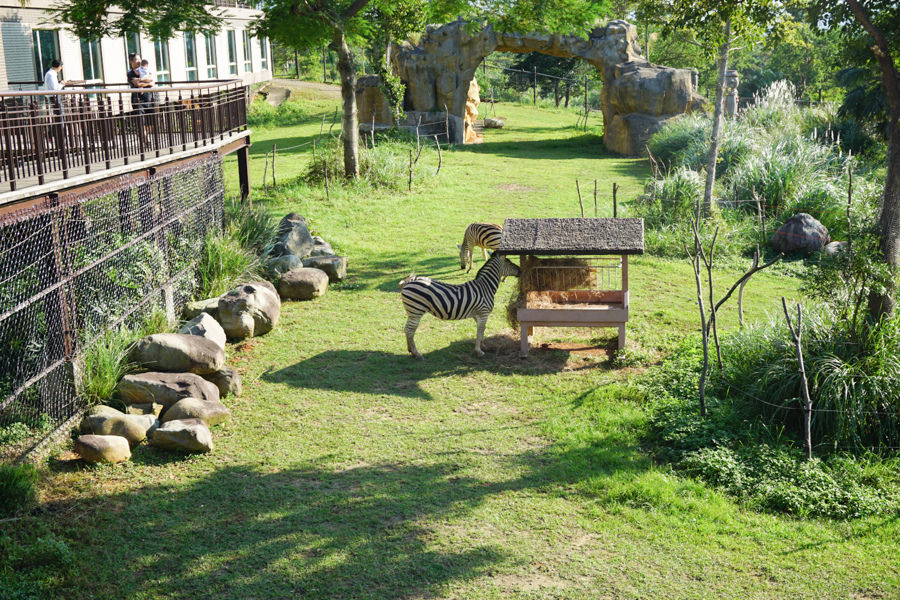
(384, 166)
(252, 228)
(103, 363)
(16, 488)
(262, 114)
(33, 567)
(223, 263)
(673, 199)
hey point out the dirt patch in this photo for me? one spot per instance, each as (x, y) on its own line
(527, 582)
(516, 187)
(310, 89)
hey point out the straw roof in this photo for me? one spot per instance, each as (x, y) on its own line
(572, 236)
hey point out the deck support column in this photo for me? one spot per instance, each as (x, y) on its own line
(243, 156)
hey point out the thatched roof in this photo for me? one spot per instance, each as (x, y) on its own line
(572, 236)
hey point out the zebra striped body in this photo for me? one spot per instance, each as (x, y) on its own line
(485, 235)
(447, 301)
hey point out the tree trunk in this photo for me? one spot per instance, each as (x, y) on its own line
(716, 136)
(349, 121)
(882, 304)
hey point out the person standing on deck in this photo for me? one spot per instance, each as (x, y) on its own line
(141, 101)
(52, 82)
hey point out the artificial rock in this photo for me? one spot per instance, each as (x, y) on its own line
(178, 353)
(249, 310)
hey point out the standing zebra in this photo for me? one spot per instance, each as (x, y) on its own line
(473, 299)
(486, 235)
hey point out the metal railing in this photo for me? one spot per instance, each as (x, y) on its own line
(50, 135)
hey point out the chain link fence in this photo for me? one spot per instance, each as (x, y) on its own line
(74, 269)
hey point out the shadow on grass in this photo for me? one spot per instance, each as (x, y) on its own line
(377, 372)
(364, 530)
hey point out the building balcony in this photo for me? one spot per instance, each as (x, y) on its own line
(48, 140)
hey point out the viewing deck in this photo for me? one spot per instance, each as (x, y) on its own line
(52, 140)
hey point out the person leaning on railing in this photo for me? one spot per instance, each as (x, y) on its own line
(52, 82)
(142, 102)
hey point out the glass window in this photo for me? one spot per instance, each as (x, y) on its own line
(248, 56)
(132, 44)
(212, 72)
(91, 60)
(162, 61)
(190, 56)
(46, 48)
(263, 54)
(232, 53)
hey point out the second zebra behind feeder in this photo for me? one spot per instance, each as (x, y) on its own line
(448, 301)
(485, 235)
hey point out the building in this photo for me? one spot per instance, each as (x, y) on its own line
(30, 42)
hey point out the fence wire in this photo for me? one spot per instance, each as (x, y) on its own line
(74, 270)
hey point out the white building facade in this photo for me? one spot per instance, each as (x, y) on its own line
(30, 41)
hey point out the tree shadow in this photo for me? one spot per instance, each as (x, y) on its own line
(378, 372)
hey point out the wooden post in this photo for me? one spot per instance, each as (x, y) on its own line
(585, 101)
(243, 156)
(440, 158)
(596, 214)
(324, 72)
(296, 64)
(274, 152)
(615, 202)
(410, 169)
(534, 88)
(580, 203)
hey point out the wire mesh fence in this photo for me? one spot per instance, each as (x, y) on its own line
(74, 270)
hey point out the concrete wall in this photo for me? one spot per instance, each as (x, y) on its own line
(36, 16)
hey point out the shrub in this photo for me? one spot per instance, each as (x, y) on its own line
(103, 363)
(681, 142)
(252, 228)
(673, 199)
(16, 488)
(261, 114)
(385, 166)
(775, 109)
(223, 263)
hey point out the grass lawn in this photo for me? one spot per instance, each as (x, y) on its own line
(349, 470)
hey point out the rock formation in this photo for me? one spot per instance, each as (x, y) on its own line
(637, 97)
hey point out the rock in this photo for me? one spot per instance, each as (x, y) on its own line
(493, 123)
(105, 420)
(322, 248)
(227, 380)
(472, 101)
(279, 265)
(212, 413)
(303, 284)
(372, 104)
(103, 448)
(186, 435)
(209, 306)
(800, 233)
(834, 248)
(151, 390)
(333, 266)
(629, 133)
(249, 310)
(207, 327)
(178, 353)
(292, 237)
(148, 408)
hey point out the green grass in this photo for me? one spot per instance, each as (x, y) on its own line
(349, 470)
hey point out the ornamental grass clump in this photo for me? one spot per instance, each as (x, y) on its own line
(386, 165)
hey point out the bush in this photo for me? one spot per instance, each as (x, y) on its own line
(682, 142)
(223, 263)
(16, 488)
(385, 166)
(103, 363)
(262, 114)
(673, 199)
(252, 228)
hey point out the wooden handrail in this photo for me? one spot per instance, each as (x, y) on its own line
(220, 84)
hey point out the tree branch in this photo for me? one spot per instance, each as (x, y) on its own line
(354, 8)
(882, 52)
(743, 279)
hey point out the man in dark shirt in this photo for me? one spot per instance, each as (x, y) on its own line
(141, 102)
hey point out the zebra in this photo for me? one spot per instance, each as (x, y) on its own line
(486, 235)
(473, 299)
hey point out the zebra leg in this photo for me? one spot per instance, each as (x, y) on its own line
(480, 322)
(412, 323)
(484, 253)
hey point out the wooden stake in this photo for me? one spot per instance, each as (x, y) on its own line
(580, 203)
(440, 159)
(327, 193)
(410, 169)
(274, 151)
(807, 401)
(265, 172)
(596, 214)
(615, 201)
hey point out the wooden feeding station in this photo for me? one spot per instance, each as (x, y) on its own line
(574, 271)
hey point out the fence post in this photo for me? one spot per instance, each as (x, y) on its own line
(324, 72)
(297, 63)
(534, 88)
(585, 101)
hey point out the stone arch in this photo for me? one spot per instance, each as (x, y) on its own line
(637, 97)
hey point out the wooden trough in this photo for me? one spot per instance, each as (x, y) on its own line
(574, 271)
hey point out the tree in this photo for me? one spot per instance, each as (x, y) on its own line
(879, 22)
(718, 24)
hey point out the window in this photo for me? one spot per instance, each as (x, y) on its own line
(190, 56)
(263, 54)
(232, 53)
(248, 56)
(162, 61)
(212, 72)
(46, 48)
(91, 60)
(132, 44)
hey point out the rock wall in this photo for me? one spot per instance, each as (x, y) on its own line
(637, 97)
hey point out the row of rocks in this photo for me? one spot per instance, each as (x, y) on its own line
(248, 310)
(302, 265)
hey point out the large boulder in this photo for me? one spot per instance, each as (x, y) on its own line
(373, 107)
(207, 327)
(105, 420)
(801, 233)
(249, 310)
(333, 266)
(164, 389)
(303, 284)
(185, 435)
(493, 123)
(211, 413)
(178, 353)
(209, 306)
(293, 237)
(227, 380)
(278, 265)
(102, 448)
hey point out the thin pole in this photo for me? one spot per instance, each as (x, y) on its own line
(324, 72)
(615, 203)
(297, 63)
(585, 101)
(595, 199)
(274, 150)
(534, 88)
(580, 203)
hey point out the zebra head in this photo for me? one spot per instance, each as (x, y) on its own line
(506, 266)
(464, 257)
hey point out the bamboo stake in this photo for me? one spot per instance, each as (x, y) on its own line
(265, 171)
(410, 169)
(615, 201)
(595, 199)
(274, 151)
(580, 203)
(440, 158)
